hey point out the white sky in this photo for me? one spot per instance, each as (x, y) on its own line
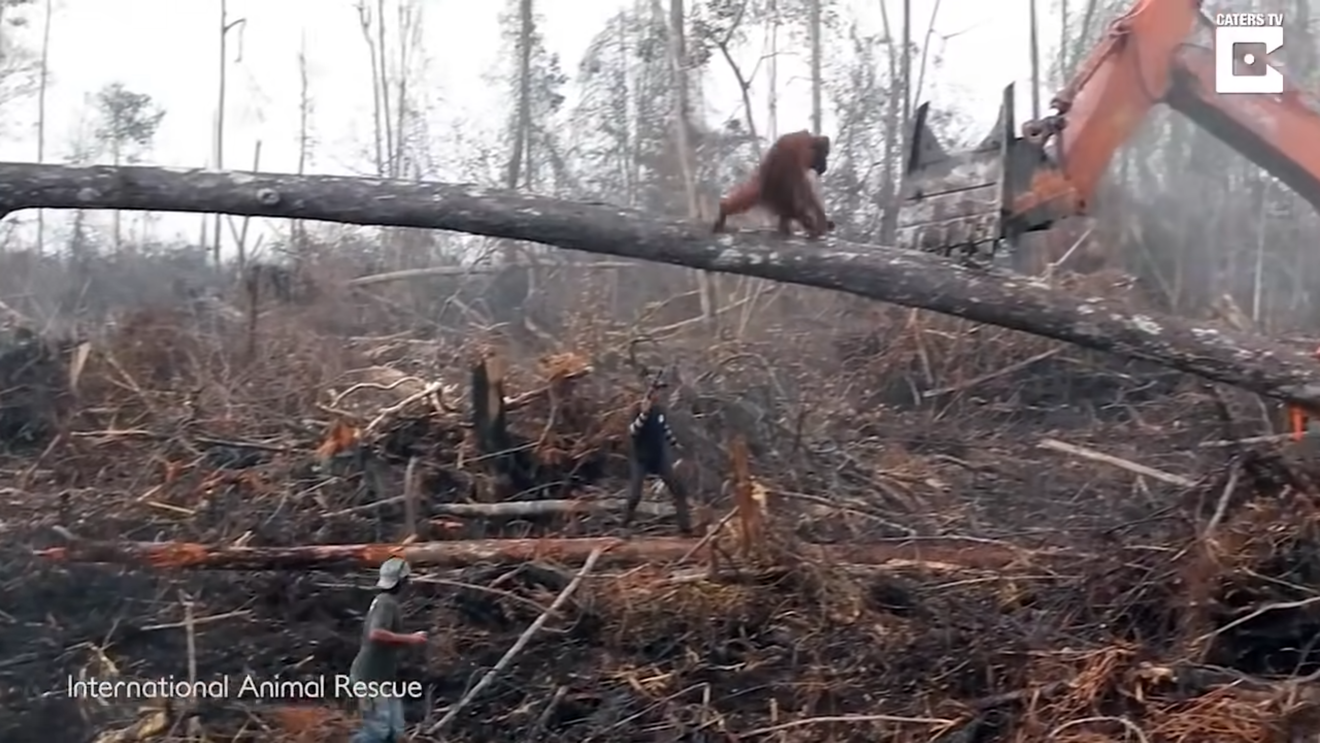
(169, 49)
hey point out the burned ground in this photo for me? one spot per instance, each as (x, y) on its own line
(1084, 600)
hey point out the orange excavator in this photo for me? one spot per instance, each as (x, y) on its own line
(1012, 183)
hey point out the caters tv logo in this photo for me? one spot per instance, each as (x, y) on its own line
(1243, 45)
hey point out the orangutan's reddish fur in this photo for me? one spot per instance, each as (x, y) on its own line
(782, 186)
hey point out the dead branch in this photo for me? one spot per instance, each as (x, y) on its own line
(992, 375)
(1130, 726)
(1119, 462)
(1272, 438)
(521, 643)
(886, 274)
(851, 719)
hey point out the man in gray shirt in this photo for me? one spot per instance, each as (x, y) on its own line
(378, 658)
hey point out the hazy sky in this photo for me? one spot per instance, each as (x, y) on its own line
(169, 49)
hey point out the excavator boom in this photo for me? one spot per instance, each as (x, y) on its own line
(1018, 182)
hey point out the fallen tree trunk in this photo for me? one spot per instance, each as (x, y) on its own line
(457, 554)
(886, 274)
(521, 509)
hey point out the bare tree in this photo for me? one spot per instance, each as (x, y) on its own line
(377, 114)
(218, 144)
(721, 27)
(907, 64)
(625, 107)
(683, 139)
(682, 110)
(814, 34)
(383, 87)
(305, 109)
(20, 68)
(409, 23)
(775, 20)
(47, 20)
(394, 73)
(1035, 61)
(522, 124)
(608, 130)
(127, 126)
(895, 121)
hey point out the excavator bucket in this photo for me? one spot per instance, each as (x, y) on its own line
(963, 202)
(954, 202)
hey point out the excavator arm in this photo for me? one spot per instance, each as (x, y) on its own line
(1277, 132)
(1014, 183)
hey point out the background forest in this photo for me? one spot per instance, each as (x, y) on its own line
(629, 122)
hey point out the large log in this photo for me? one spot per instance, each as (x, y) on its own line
(949, 551)
(886, 274)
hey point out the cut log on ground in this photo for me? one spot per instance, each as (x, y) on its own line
(457, 554)
(882, 273)
(521, 509)
(1119, 462)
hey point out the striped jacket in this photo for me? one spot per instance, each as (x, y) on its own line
(650, 425)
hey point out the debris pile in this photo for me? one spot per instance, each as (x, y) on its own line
(35, 375)
(888, 557)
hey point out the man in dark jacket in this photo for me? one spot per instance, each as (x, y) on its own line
(651, 452)
(378, 658)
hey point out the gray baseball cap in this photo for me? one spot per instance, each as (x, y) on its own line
(392, 571)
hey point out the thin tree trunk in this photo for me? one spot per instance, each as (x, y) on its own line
(384, 86)
(406, 39)
(1063, 41)
(745, 91)
(118, 215)
(772, 74)
(226, 26)
(814, 29)
(523, 123)
(219, 143)
(1083, 36)
(894, 133)
(748, 286)
(304, 139)
(41, 115)
(678, 61)
(364, 19)
(626, 161)
(907, 68)
(925, 54)
(1258, 281)
(241, 235)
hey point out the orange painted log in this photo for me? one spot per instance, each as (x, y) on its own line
(455, 554)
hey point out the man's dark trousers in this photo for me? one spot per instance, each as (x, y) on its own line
(657, 460)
